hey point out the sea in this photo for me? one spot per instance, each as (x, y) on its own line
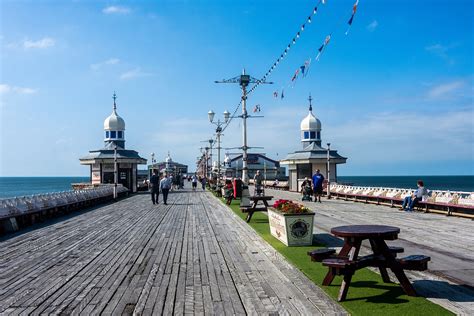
(21, 186)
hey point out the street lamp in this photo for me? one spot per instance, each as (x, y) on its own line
(115, 172)
(219, 124)
(152, 163)
(328, 188)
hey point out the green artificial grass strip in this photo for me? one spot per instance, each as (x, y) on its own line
(367, 295)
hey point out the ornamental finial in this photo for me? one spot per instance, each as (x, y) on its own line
(115, 98)
(310, 105)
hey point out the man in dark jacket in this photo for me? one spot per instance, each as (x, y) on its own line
(155, 187)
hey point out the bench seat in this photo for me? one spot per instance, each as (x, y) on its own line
(319, 255)
(396, 249)
(415, 262)
(250, 209)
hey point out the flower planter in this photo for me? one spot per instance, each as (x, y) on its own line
(292, 229)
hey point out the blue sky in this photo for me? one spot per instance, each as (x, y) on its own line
(395, 95)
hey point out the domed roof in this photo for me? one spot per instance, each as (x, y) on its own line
(114, 122)
(168, 158)
(310, 123)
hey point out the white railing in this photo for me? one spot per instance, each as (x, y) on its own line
(15, 206)
(434, 196)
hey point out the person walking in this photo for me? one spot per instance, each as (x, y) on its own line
(203, 183)
(258, 181)
(155, 187)
(194, 180)
(414, 198)
(318, 179)
(165, 185)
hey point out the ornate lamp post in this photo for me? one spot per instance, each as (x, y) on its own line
(219, 124)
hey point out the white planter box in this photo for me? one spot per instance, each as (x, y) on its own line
(292, 229)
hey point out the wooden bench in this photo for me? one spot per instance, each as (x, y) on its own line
(340, 266)
(254, 207)
(319, 255)
(415, 262)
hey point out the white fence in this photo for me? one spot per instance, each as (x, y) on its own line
(16, 206)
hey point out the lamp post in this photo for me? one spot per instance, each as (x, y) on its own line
(219, 124)
(152, 163)
(115, 172)
(328, 188)
(211, 141)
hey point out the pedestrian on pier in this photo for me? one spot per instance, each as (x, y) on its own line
(194, 180)
(318, 180)
(165, 185)
(415, 197)
(155, 187)
(203, 183)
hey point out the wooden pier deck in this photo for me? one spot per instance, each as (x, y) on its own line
(193, 256)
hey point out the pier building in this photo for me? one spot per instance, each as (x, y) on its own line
(270, 168)
(304, 163)
(168, 166)
(102, 161)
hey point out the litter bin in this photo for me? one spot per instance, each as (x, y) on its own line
(237, 188)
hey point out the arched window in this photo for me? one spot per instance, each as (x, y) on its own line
(319, 135)
(312, 135)
(113, 134)
(107, 134)
(306, 135)
(120, 134)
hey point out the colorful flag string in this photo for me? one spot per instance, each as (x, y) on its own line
(297, 36)
(304, 68)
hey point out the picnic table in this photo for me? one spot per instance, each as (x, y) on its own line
(347, 262)
(255, 207)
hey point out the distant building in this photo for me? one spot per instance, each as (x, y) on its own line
(168, 166)
(304, 163)
(101, 161)
(270, 168)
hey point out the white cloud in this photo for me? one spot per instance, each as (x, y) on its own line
(110, 61)
(405, 137)
(5, 88)
(27, 44)
(134, 73)
(116, 10)
(42, 43)
(372, 26)
(441, 51)
(445, 89)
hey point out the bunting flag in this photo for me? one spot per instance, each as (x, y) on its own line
(293, 41)
(323, 46)
(256, 108)
(295, 76)
(354, 10)
(282, 95)
(275, 94)
(305, 68)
